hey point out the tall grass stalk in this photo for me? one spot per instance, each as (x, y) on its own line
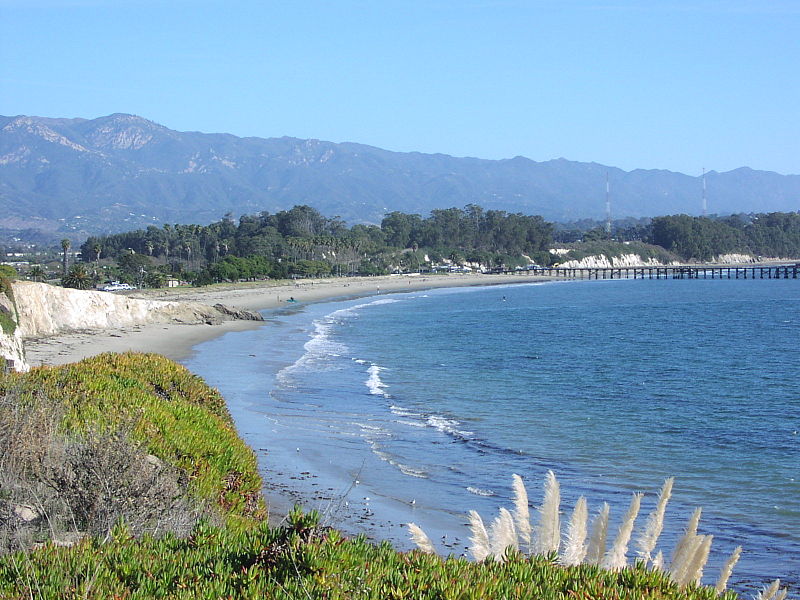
(694, 573)
(770, 592)
(549, 532)
(727, 569)
(680, 568)
(616, 557)
(502, 534)
(655, 522)
(422, 541)
(597, 543)
(575, 545)
(678, 555)
(479, 539)
(689, 557)
(522, 516)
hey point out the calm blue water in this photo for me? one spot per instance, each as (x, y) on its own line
(419, 407)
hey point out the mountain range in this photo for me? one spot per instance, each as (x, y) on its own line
(120, 172)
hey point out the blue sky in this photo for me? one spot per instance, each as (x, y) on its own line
(675, 85)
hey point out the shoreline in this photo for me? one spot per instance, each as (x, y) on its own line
(176, 341)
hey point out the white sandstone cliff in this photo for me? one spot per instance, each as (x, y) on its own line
(44, 310)
(603, 262)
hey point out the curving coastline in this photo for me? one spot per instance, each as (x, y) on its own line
(175, 340)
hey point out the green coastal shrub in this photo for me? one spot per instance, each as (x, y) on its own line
(304, 561)
(8, 322)
(162, 407)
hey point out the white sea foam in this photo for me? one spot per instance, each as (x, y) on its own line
(321, 346)
(404, 469)
(445, 425)
(403, 412)
(372, 431)
(479, 491)
(374, 384)
(410, 423)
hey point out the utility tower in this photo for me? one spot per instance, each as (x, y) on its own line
(705, 201)
(608, 207)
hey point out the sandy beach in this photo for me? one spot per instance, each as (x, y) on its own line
(293, 482)
(176, 341)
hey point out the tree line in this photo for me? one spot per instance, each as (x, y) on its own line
(701, 238)
(302, 242)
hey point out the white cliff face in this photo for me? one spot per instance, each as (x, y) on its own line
(11, 348)
(48, 310)
(603, 262)
(734, 259)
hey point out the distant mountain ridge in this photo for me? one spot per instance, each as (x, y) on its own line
(122, 171)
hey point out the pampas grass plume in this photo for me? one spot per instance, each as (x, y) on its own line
(575, 546)
(421, 540)
(658, 561)
(616, 557)
(522, 516)
(549, 533)
(480, 548)
(727, 569)
(655, 522)
(770, 592)
(680, 569)
(502, 534)
(694, 571)
(688, 535)
(597, 543)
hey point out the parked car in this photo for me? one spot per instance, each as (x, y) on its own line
(116, 286)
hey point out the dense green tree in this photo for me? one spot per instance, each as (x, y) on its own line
(134, 266)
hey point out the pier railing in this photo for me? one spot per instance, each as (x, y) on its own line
(672, 272)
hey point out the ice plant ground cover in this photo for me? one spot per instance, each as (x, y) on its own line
(510, 535)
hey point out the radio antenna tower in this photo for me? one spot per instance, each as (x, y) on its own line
(608, 207)
(705, 201)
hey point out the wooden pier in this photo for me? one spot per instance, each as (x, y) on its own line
(672, 272)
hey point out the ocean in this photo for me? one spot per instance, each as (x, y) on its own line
(419, 407)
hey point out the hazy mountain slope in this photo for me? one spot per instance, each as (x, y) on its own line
(121, 171)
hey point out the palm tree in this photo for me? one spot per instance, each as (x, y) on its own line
(65, 246)
(97, 249)
(77, 278)
(150, 246)
(36, 273)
